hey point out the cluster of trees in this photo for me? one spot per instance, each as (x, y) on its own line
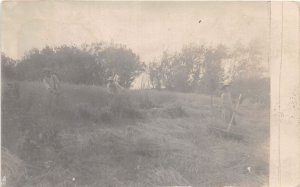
(194, 68)
(8, 67)
(87, 64)
(197, 68)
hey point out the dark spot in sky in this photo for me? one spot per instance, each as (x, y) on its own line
(200, 21)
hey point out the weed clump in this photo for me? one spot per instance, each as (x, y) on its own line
(119, 107)
(106, 115)
(174, 111)
(145, 101)
(122, 107)
(87, 112)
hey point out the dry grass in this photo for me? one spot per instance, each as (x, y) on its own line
(137, 138)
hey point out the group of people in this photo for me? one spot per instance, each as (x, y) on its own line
(52, 84)
(51, 81)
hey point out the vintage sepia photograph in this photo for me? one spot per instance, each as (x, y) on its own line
(135, 94)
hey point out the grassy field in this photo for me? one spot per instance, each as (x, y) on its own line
(87, 137)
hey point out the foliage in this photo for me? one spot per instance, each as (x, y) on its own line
(213, 70)
(195, 68)
(245, 62)
(124, 63)
(155, 75)
(89, 64)
(247, 74)
(8, 67)
(198, 68)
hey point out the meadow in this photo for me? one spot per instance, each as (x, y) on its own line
(88, 137)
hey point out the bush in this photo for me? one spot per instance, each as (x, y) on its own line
(90, 64)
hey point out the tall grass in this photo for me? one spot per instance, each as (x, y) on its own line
(88, 137)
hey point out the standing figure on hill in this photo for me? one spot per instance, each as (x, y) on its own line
(51, 81)
(227, 104)
(113, 86)
(52, 84)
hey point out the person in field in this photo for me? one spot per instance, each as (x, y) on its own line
(52, 85)
(227, 103)
(113, 86)
(51, 81)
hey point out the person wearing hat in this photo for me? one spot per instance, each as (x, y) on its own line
(226, 103)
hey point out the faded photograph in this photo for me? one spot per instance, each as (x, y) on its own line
(135, 94)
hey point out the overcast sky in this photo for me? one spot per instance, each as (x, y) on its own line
(148, 28)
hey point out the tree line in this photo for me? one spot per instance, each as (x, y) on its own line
(196, 68)
(202, 69)
(88, 64)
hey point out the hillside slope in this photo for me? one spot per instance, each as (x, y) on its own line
(87, 137)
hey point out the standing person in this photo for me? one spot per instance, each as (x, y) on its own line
(52, 84)
(113, 86)
(51, 81)
(227, 104)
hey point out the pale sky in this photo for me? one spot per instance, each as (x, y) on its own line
(148, 28)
